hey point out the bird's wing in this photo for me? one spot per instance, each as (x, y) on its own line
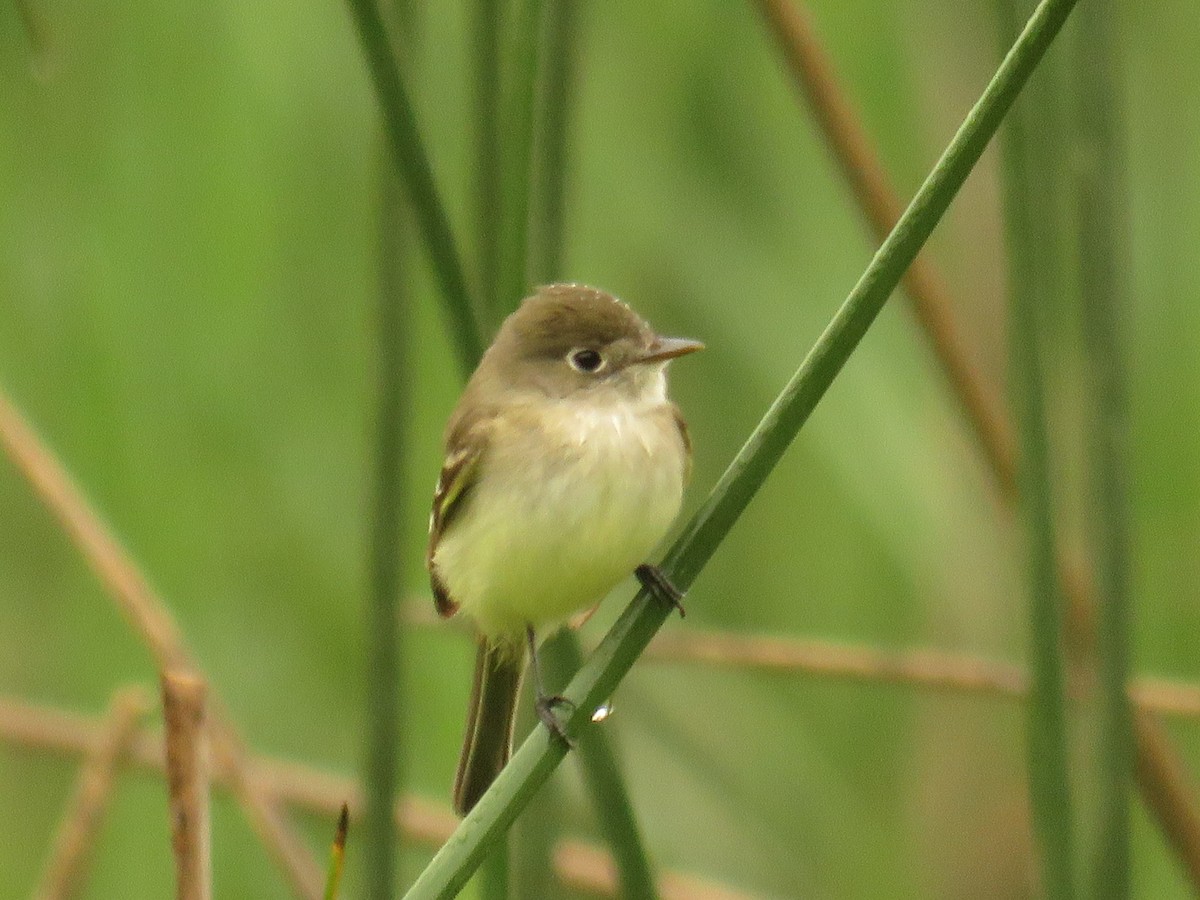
(687, 442)
(458, 475)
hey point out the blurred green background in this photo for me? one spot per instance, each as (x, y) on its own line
(188, 282)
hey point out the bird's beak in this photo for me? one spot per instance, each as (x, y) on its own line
(665, 348)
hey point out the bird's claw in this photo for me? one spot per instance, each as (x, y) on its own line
(655, 580)
(545, 706)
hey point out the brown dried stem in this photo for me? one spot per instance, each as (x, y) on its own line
(186, 742)
(586, 867)
(923, 668)
(148, 615)
(916, 667)
(1159, 773)
(1170, 800)
(813, 74)
(927, 668)
(579, 866)
(64, 874)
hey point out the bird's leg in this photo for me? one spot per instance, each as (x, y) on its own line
(655, 580)
(544, 704)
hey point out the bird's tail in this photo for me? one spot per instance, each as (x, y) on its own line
(487, 743)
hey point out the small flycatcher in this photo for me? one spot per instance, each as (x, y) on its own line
(565, 466)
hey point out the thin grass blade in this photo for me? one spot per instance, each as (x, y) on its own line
(1103, 260)
(1030, 285)
(337, 855)
(520, 98)
(416, 172)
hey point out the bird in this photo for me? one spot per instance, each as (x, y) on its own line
(565, 466)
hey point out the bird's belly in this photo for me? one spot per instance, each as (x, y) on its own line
(535, 548)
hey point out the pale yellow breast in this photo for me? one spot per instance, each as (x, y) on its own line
(567, 504)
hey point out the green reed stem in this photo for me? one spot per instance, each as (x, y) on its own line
(400, 126)
(384, 673)
(560, 62)
(1031, 230)
(487, 28)
(516, 181)
(1103, 260)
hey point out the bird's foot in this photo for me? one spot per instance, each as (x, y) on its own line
(545, 706)
(655, 580)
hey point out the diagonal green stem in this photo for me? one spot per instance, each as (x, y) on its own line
(404, 138)
(1103, 258)
(539, 754)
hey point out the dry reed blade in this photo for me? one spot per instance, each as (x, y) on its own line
(186, 743)
(65, 871)
(578, 865)
(812, 71)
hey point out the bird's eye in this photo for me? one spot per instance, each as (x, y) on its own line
(585, 360)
